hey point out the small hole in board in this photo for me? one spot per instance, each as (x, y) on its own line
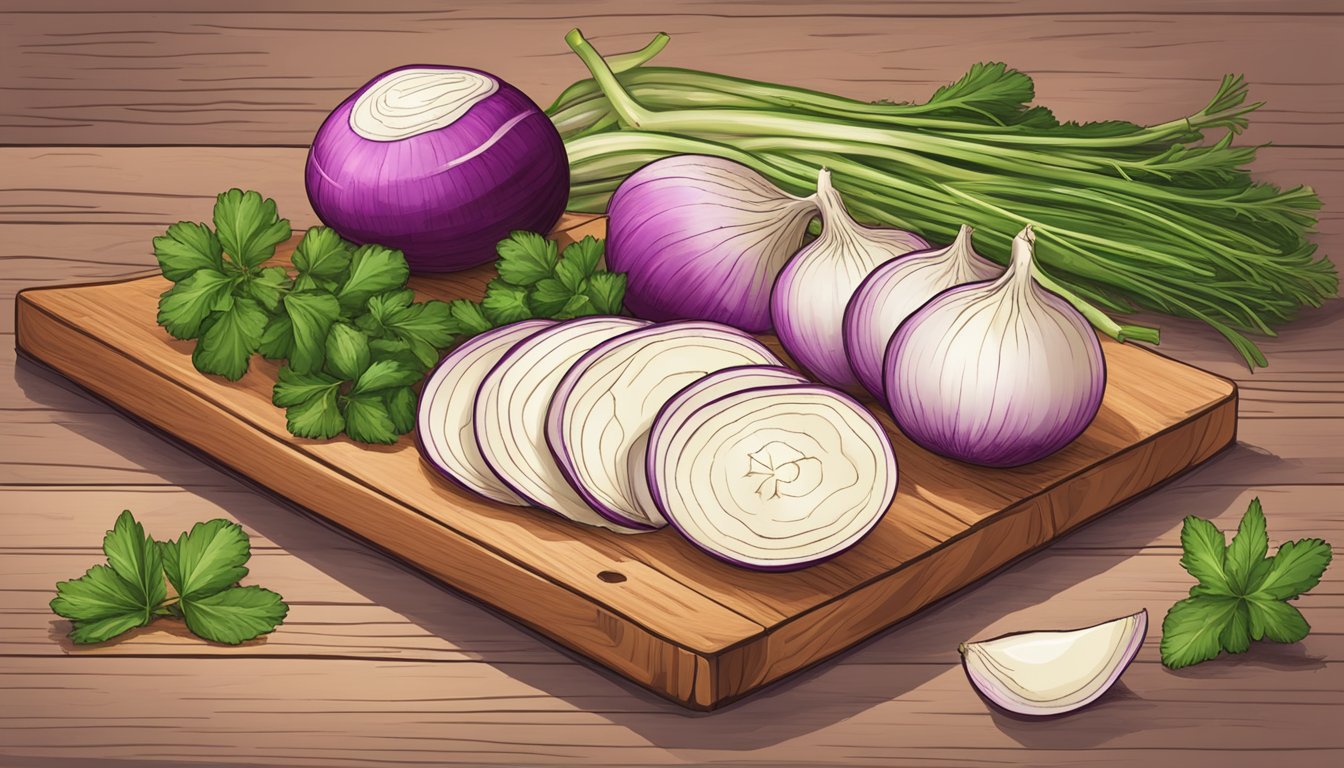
(611, 577)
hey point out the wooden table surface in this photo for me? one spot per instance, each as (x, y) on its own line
(120, 121)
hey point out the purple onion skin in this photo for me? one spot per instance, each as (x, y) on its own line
(659, 231)
(389, 193)
(947, 435)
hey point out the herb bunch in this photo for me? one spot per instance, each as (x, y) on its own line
(1242, 592)
(353, 337)
(204, 566)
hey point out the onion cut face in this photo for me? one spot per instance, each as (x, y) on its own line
(598, 424)
(438, 162)
(445, 432)
(510, 413)
(772, 478)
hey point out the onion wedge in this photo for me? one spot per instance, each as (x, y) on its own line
(444, 427)
(771, 478)
(598, 424)
(1053, 672)
(510, 413)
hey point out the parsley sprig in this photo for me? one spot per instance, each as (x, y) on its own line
(204, 566)
(354, 340)
(1242, 593)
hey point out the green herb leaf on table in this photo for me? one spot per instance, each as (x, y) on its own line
(311, 316)
(606, 291)
(1240, 595)
(203, 566)
(373, 270)
(229, 339)
(207, 558)
(505, 303)
(311, 403)
(234, 615)
(186, 248)
(368, 420)
(347, 351)
(185, 307)
(469, 318)
(549, 297)
(322, 255)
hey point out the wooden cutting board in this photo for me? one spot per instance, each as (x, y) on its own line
(650, 607)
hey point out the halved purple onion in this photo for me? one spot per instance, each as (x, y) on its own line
(439, 162)
(771, 478)
(444, 428)
(510, 413)
(599, 420)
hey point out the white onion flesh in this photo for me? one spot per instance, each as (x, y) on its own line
(1053, 672)
(772, 478)
(444, 425)
(510, 413)
(599, 420)
(409, 102)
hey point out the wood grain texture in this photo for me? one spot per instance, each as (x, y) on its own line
(332, 693)
(696, 630)
(269, 75)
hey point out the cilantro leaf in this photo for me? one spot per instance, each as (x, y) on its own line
(606, 290)
(268, 287)
(1205, 550)
(373, 270)
(97, 595)
(1247, 549)
(571, 275)
(577, 306)
(505, 303)
(186, 248)
(400, 404)
(584, 256)
(469, 318)
(549, 297)
(1193, 627)
(136, 559)
(249, 227)
(317, 417)
(1297, 567)
(102, 630)
(229, 340)
(235, 615)
(1276, 620)
(425, 327)
(385, 374)
(322, 254)
(525, 258)
(367, 419)
(184, 307)
(277, 340)
(347, 351)
(292, 387)
(207, 558)
(383, 308)
(1241, 592)
(311, 314)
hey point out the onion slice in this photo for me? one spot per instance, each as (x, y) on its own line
(510, 413)
(1053, 672)
(772, 478)
(444, 431)
(598, 424)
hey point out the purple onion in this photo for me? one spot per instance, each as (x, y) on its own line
(443, 181)
(998, 373)
(703, 238)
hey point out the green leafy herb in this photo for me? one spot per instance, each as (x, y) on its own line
(204, 566)
(353, 338)
(1241, 595)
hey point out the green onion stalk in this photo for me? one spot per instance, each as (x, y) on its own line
(1127, 217)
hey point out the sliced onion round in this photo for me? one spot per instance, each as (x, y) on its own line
(772, 478)
(444, 427)
(510, 413)
(598, 424)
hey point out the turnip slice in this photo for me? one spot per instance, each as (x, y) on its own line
(510, 413)
(598, 424)
(771, 478)
(444, 431)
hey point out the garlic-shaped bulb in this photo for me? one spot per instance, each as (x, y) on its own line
(999, 373)
(810, 296)
(703, 238)
(1053, 672)
(893, 292)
